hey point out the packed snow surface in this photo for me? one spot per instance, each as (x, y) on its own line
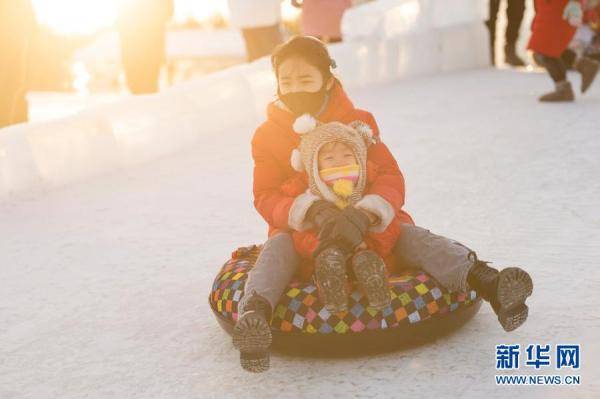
(105, 283)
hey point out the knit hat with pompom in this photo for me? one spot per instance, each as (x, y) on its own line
(313, 136)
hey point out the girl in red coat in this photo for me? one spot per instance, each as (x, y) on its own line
(553, 29)
(306, 85)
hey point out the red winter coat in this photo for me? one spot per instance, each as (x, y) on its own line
(306, 241)
(272, 146)
(550, 33)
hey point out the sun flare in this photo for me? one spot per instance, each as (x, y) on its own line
(88, 16)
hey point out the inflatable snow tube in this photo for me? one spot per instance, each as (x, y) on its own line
(421, 310)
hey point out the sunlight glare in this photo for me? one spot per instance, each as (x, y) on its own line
(76, 16)
(89, 16)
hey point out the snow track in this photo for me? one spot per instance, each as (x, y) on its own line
(105, 283)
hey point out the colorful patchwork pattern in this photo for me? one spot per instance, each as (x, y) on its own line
(415, 297)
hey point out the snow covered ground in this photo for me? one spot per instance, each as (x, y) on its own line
(105, 283)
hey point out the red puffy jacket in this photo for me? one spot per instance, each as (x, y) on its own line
(550, 33)
(272, 146)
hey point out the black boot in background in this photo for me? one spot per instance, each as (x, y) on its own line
(505, 290)
(252, 334)
(511, 57)
(562, 93)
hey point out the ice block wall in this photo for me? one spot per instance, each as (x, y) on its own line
(385, 40)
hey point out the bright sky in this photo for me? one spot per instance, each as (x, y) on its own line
(87, 16)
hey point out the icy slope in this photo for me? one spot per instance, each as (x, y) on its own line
(104, 284)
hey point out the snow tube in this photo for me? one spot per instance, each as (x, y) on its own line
(421, 310)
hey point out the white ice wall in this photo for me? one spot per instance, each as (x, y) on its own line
(386, 40)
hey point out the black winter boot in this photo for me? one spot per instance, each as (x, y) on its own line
(588, 69)
(331, 279)
(511, 57)
(505, 290)
(369, 270)
(563, 93)
(252, 334)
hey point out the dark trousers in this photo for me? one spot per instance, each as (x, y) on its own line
(143, 54)
(13, 84)
(514, 15)
(555, 67)
(261, 41)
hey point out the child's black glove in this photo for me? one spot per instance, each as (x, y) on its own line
(347, 229)
(321, 213)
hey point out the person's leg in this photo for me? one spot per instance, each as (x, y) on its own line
(270, 37)
(261, 41)
(251, 39)
(514, 14)
(444, 259)
(150, 58)
(555, 67)
(457, 268)
(273, 270)
(21, 107)
(9, 90)
(13, 82)
(129, 59)
(586, 66)
(558, 72)
(491, 25)
(157, 55)
(568, 58)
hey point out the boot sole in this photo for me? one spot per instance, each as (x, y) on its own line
(513, 318)
(255, 364)
(568, 99)
(330, 275)
(514, 287)
(369, 270)
(252, 337)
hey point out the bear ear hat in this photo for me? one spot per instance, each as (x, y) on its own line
(304, 124)
(364, 130)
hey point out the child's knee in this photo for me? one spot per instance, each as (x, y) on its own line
(281, 239)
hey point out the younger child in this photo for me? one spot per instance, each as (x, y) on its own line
(334, 157)
(554, 26)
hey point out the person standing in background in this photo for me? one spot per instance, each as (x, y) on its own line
(260, 23)
(142, 29)
(17, 29)
(514, 14)
(323, 18)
